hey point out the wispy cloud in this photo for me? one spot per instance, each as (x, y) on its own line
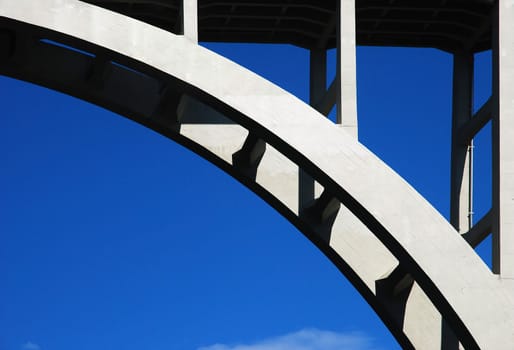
(306, 339)
(30, 346)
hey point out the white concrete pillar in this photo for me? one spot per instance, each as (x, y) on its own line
(190, 19)
(503, 139)
(461, 171)
(346, 74)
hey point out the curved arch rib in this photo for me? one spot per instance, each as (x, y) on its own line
(261, 135)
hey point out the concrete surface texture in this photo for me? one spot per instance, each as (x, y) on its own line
(418, 271)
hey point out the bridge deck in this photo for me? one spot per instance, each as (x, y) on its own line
(444, 24)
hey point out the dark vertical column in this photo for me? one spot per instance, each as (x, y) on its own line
(461, 153)
(317, 90)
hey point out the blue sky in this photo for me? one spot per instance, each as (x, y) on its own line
(113, 237)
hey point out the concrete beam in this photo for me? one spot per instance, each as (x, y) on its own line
(248, 157)
(469, 130)
(461, 201)
(394, 284)
(318, 82)
(190, 19)
(321, 214)
(503, 139)
(346, 74)
(325, 207)
(317, 75)
(480, 230)
(325, 104)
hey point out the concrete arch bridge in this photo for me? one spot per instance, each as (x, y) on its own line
(418, 271)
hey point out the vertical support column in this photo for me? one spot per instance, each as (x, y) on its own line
(461, 167)
(318, 75)
(317, 90)
(346, 74)
(503, 139)
(190, 19)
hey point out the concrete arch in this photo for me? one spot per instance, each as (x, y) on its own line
(384, 233)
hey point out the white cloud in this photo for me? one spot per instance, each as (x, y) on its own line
(30, 346)
(306, 339)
